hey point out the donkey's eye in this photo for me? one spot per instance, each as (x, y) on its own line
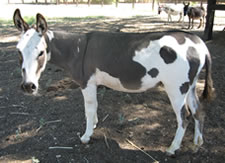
(41, 53)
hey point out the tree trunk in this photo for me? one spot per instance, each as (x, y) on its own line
(153, 5)
(117, 1)
(201, 3)
(133, 4)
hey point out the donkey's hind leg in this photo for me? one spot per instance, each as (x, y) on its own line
(192, 23)
(198, 115)
(178, 102)
(180, 17)
(200, 24)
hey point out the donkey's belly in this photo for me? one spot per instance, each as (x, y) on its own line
(103, 78)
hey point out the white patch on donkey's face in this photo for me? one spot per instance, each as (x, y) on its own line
(32, 47)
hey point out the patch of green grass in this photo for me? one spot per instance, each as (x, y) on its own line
(5, 23)
(42, 122)
(30, 20)
(73, 19)
(94, 17)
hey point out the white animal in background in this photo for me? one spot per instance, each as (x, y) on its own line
(172, 9)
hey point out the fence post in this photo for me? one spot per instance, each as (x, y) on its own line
(209, 20)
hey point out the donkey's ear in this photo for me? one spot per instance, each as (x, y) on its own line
(41, 24)
(20, 24)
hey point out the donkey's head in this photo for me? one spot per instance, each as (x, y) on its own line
(32, 49)
(186, 7)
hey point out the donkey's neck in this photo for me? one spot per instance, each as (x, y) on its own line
(66, 51)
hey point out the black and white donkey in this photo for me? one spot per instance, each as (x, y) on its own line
(128, 62)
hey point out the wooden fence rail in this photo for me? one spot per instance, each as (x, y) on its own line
(74, 2)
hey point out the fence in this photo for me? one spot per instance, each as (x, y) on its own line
(89, 2)
(76, 1)
(100, 1)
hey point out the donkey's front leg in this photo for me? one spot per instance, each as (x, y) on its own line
(189, 24)
(90, 102)
(169, 19)
(180, 17)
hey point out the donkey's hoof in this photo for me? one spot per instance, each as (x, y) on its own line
(195, 148)
(170, 154)
(85, 139)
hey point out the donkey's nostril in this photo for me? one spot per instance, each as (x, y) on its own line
(33, 87)
(28, 87)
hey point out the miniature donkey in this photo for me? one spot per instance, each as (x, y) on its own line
(128, 62)
(194, 13)
(171, 10)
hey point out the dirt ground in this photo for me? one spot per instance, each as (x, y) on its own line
(31, 126)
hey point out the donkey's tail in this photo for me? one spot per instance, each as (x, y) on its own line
(208, 92)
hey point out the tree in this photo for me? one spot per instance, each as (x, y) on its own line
(153, 4)
(133, 2)
(117, 1)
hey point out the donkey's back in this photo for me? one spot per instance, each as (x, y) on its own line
(140, 61)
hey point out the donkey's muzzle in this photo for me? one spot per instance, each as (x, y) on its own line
(28, 87)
